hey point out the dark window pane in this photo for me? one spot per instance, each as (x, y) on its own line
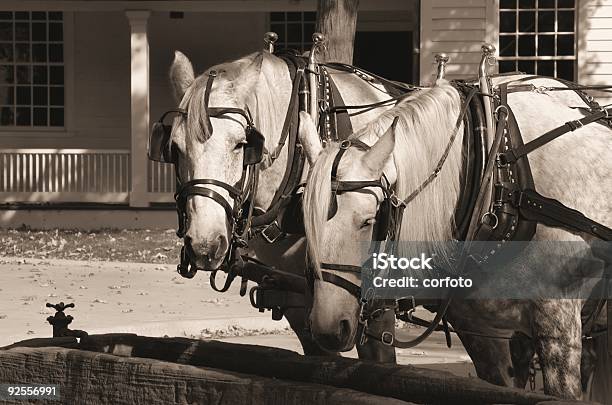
(527, 21)
(7, 74)
(56, 74)
(277, 16)
(507, 66)
(294, 16)
(309, 29)
(546, 68)
(39, 15)
(56, 53)
(507, 4)
(7, 95)
(546, 45)
(22, 15)
(507, 21)
(7, 116)
(6, 52)
(565, 3)
(40, 116)
(526, 45)
(57, 96)
(279, 29)
(22, 52)
(526, 4)
(57, 117)
(24, 116)
(55, 15)
(294, 33)
(565, 45)
(40, 95)
(39, 32)
(527, 66)
(546, 3)
(565, 69)
(565, 21)
(310, 16)
(6, 31)
(6, 15)
(24, 75)
(39, 52)
(546, 21)
(507, 45)
(23, 95)
(22, 31)
(56, 31)
(39, 74)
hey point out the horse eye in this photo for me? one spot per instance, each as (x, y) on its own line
(240, 145)
(368, 222)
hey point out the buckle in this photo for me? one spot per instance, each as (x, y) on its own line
(387, 338)
(272, 232)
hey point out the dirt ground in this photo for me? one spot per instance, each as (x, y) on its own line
(152, 299)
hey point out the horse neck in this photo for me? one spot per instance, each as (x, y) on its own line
(420, 144)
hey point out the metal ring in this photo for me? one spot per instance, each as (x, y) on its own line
(345, 144)
(501, 106)
(492, 214)
(386, 338)
(213, 73)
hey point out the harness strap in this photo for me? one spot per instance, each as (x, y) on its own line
(343, 283)
(550, 212)
(513, 155)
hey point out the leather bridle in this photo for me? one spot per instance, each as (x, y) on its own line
(240, 212)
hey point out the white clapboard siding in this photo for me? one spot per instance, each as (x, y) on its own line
(595, 44)
(458, 28)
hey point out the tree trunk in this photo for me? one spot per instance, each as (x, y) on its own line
(337, 20)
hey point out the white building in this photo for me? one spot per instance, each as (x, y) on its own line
(82, 80)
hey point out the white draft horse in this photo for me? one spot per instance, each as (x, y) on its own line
(575, 169)
(259, 83)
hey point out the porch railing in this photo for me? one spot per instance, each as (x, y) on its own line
(77, 175)
(65, 175)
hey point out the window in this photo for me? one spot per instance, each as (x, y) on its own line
(538, 37)
(31, 69)
(294, 29)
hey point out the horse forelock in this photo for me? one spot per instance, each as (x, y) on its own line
(317, 195)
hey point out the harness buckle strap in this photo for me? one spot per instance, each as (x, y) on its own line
(272, 232)
(574, 125)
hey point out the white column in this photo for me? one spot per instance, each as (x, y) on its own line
(139, 105)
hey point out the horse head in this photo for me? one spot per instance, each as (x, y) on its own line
(340, 234)
(213, 142)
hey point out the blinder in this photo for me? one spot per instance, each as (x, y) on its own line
(160, 147)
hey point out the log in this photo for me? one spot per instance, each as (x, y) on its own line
(87, 377)
(406, 383)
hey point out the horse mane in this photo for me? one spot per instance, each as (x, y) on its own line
(263, 102)
(426, 121)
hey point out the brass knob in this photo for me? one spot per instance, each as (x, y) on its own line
(487, 49)
(270, 39)
(318, 38)
(442, 58)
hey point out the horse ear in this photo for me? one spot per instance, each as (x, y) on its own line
(181, 75)
(375, 158)
(248, 71)
(309, 138)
